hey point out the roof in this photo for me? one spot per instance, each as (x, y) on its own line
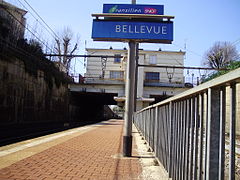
(133, 16)
(140, 50)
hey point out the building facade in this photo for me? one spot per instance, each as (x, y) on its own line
(153, 84)
(13, 19)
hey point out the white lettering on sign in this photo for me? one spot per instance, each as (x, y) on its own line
(164, 30)
(118, 28)
(124, 28)
(143, 29)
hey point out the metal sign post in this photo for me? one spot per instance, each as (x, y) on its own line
(130, 98)
(133, 24)
(129, 102)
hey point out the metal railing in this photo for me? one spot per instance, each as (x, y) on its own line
(188, 132)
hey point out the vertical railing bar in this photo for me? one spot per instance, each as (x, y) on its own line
(184, 139)
(213, 137)
(143, 122)
(206, 135)
(188, 123)
(161, 136)
(164, 136)
(156, 131)
(201, 109)
(147, 124)
(173, 136)
(166, 133)
(144, 119)
(177, 141)
(162, 140)
(222, 133)
(145, 128)
(170, 160)
(196, 137)
(232, 132)
(174, 140)
(181, 140)
(152, 128)
(191, 138)
(153, 125)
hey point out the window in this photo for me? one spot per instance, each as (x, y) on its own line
(152, 76)
(117, 59)
(153, 59)
(116, 74)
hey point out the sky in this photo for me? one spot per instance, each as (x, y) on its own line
(198, 24)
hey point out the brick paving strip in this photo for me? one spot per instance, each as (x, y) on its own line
(95, 154)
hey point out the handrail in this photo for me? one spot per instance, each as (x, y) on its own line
(192, 132)
(225, 79)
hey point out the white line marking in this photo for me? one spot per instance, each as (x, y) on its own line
(37, 142)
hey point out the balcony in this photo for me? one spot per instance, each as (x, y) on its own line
(157, 83)
(99, 80)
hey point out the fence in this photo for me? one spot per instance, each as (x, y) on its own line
(188, 132)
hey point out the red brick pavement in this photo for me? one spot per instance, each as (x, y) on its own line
(88, 156)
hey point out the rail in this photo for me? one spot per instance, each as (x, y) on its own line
(194, 134)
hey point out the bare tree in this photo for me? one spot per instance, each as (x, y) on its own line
(220, 55)
(64, 46)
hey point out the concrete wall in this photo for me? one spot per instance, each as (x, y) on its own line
(25, 98)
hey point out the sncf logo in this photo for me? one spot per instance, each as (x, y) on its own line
(150, 11)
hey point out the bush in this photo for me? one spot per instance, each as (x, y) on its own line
(233, 65)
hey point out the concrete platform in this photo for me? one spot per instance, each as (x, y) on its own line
(89, 152)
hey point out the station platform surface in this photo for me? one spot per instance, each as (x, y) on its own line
(89, 152)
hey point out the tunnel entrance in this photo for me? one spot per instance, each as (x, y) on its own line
(158, 98)
(91, 107)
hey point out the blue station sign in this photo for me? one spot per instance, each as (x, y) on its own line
(161, 32)
(133, 9)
